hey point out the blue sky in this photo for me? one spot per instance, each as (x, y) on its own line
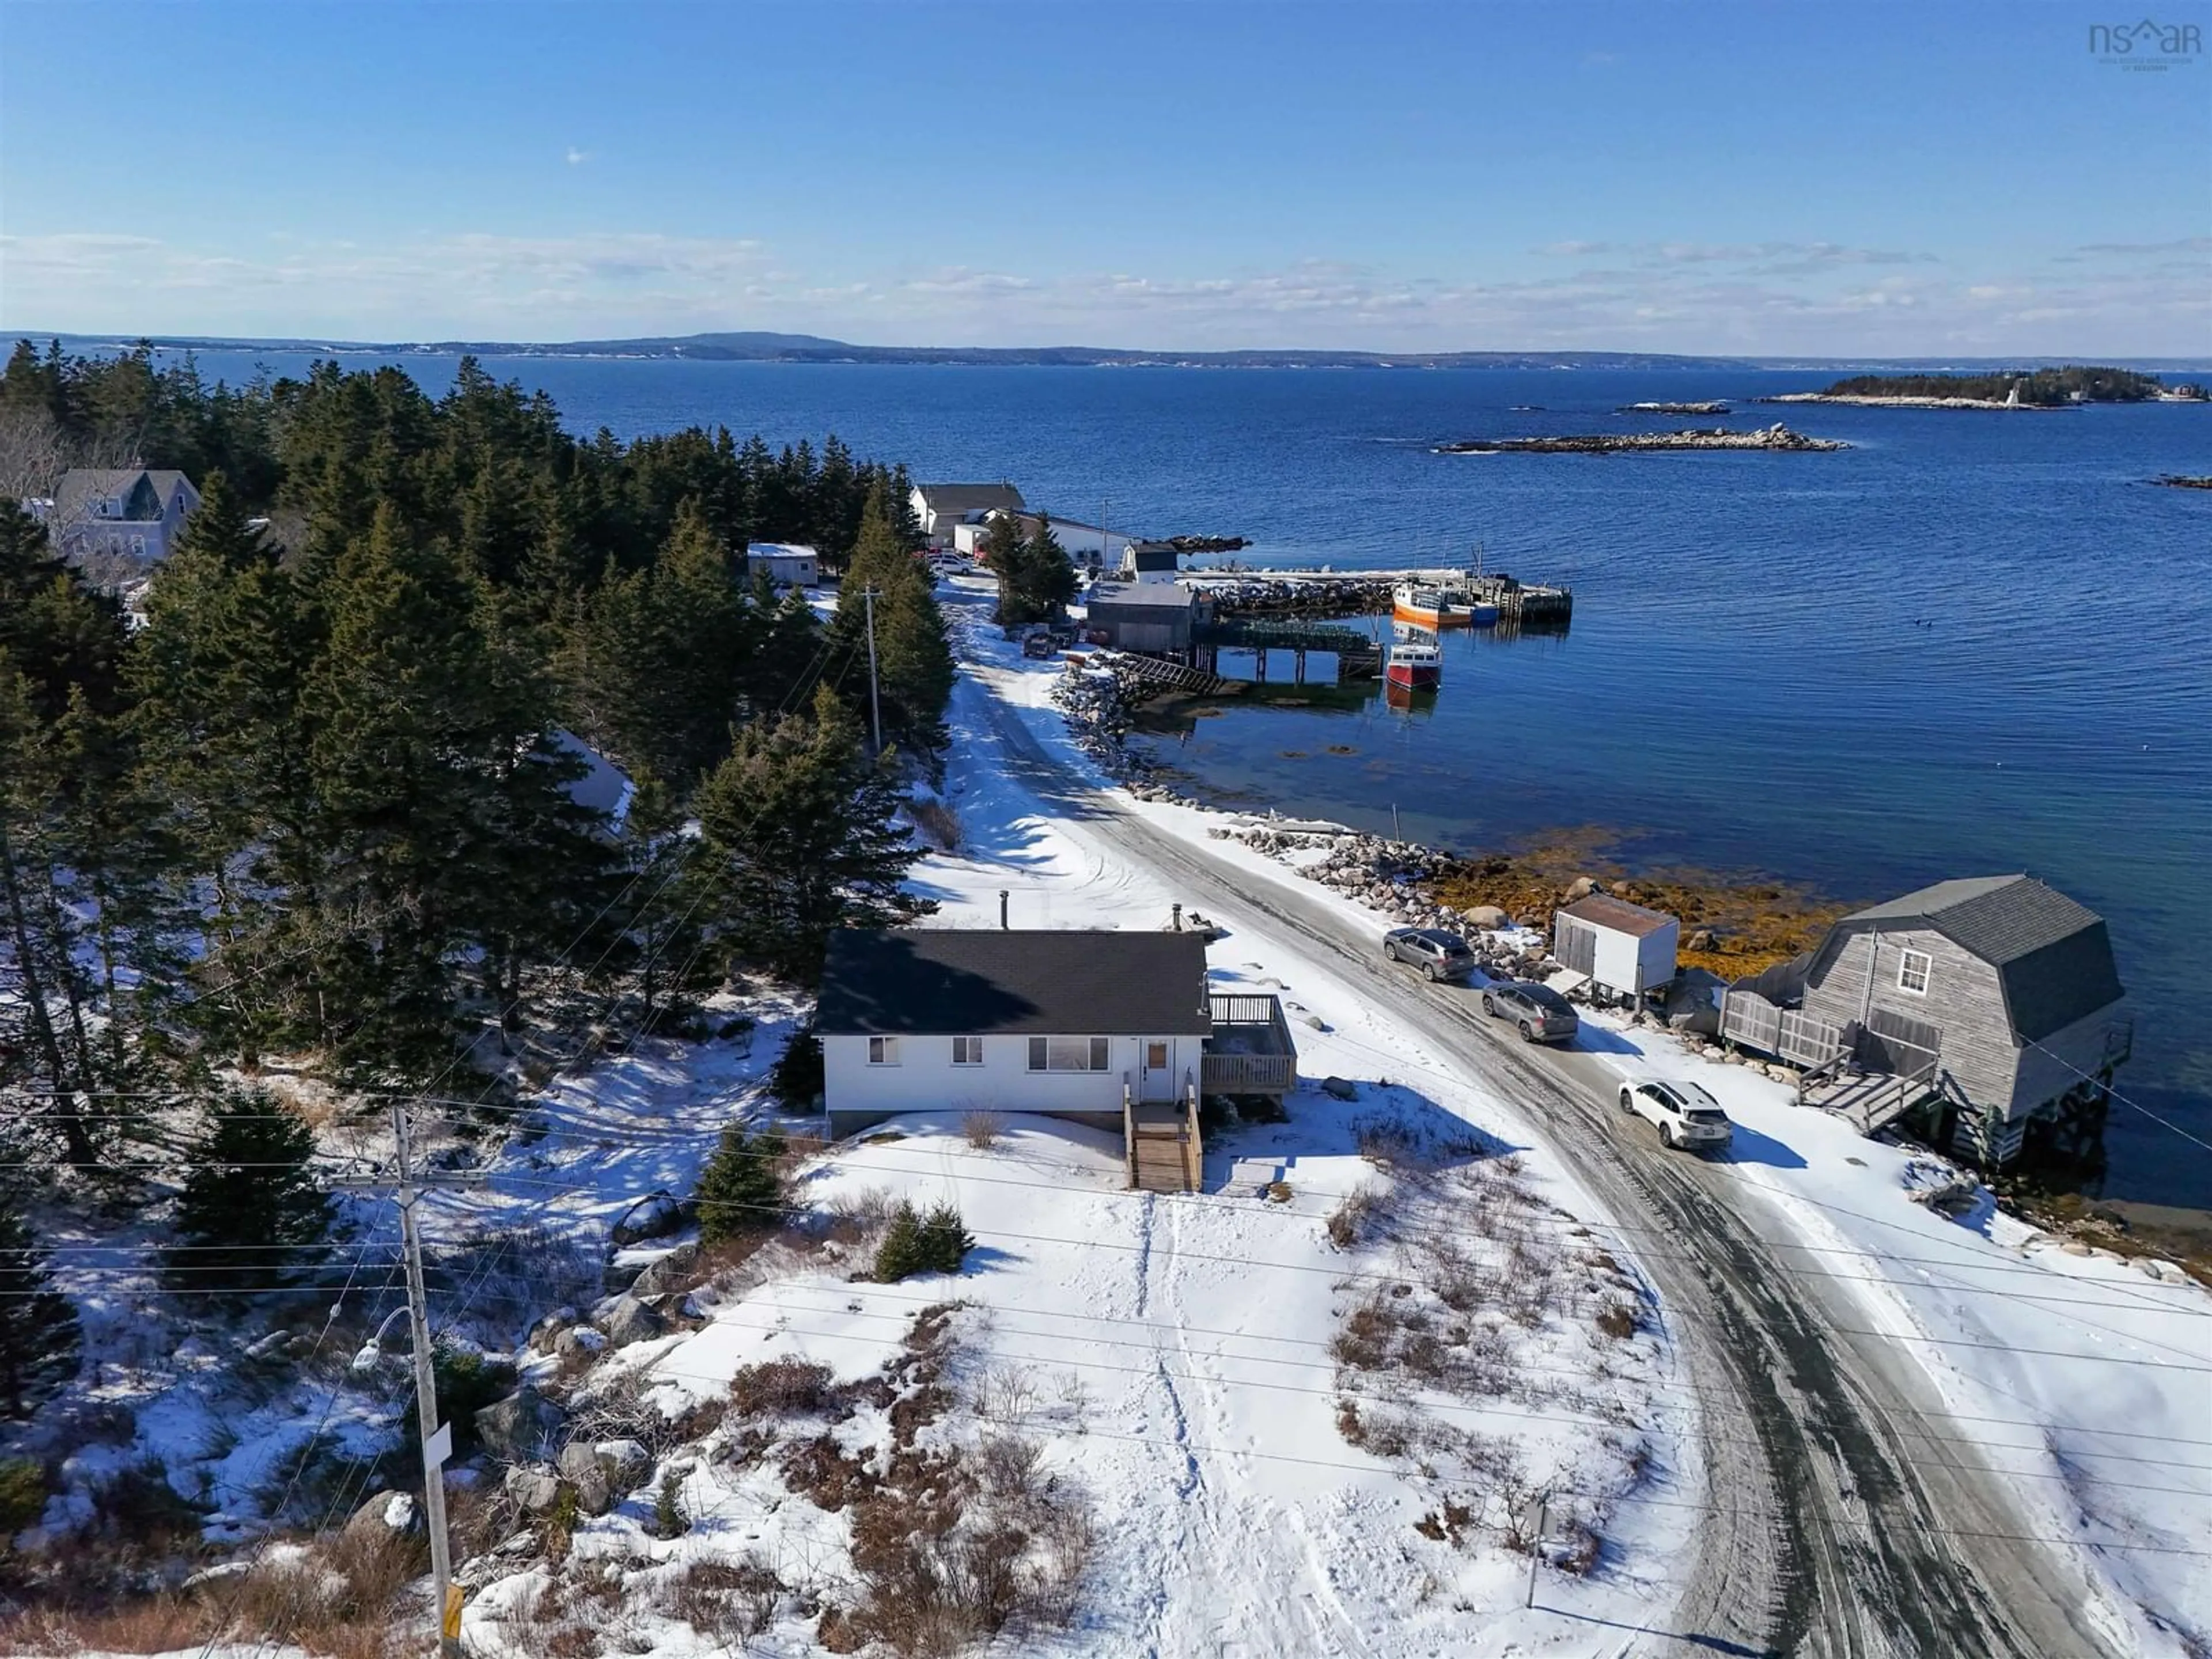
(1840, 178)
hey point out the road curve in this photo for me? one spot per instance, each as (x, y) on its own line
(1838, 1531)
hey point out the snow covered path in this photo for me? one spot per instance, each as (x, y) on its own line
(1853, 1518)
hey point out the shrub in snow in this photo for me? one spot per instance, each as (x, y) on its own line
(467, 1381)
(250, 1201)
(982, 1129)
(937, 1242)
(797, 1078)
(39, 1333)
(669, 1519)
(742, 1190)
(22, 1495)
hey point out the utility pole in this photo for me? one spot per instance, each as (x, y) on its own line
(408, 1187)
(875, 700)
(1536, 1545)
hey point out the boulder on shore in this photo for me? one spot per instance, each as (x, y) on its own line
(631, 1321)
(521, 1428)
(654, 1216)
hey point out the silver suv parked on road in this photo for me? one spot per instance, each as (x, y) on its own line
(1542, 1014)
(1435, 953)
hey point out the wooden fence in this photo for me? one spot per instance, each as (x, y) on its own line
(1788, 1033)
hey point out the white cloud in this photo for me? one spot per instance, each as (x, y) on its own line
(576, 158)
(1763, 298)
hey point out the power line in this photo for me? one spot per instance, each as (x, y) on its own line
(1185, 1447)
(2113, 1093)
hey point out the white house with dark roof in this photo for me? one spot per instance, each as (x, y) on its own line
(939, 507)
(1117, 1030)
(134, 511)
(1997, 994)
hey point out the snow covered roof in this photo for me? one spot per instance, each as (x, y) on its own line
(780, 550)
(976, 981)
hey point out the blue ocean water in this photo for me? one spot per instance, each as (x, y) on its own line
(1972, 643)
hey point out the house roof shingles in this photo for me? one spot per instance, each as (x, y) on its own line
(955, 501)
(2053, 956)
(142, 490)
(978, 982)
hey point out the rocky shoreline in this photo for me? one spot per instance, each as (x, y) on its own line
(1208, 544)
(1775, 437)
(1412, 885)
(1504, 904)
(1876, 402)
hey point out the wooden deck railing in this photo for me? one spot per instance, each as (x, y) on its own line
(1256, 1054)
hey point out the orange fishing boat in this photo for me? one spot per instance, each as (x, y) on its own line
(1428, 607)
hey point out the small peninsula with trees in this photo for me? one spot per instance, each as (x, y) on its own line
(2039, 388)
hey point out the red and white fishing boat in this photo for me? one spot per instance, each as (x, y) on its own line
(1417, 664)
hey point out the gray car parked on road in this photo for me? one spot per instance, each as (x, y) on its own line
(1435, 953)
(1542, 1014)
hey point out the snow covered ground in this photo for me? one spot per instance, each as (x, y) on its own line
(1172, 1355)
(2084, 1376)
(1175, 1352)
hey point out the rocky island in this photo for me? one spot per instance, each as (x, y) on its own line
(1715, 407)
(2183, 481)
(1776, 436)
(2042, 388)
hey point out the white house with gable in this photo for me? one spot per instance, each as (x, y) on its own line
(1068, 1024)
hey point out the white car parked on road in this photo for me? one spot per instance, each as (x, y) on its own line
(1688, 1118)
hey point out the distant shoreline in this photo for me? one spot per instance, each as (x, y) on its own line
(1907, 402)
(1776, 438)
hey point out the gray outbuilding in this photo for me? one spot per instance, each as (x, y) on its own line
(1997, 994)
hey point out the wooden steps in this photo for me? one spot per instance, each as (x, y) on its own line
(1159, 1164)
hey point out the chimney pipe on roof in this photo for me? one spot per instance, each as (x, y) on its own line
(1002, 910)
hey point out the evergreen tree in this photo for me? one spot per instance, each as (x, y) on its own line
(935, 1242)
(1035, 577)
(251, 1207)
(742, 1190)
(406, 750)
(38, 1331)
(796, 837)
(659, 669)
(914, 661)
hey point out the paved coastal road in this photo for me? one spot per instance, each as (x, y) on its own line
(1838, 1530)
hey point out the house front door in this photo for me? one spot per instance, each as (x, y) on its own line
(1155, 1077)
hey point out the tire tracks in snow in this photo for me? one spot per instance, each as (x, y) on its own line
(1829, 1537)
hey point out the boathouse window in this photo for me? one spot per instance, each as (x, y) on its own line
(1067, 1054)
(968, 1051)
(882, 1051)
(1912, 972)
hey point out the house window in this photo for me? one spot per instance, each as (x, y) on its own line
(967, 1051)
(1156, 1056)
(1912, 972)
(882, 1051)
(1067, 1054)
